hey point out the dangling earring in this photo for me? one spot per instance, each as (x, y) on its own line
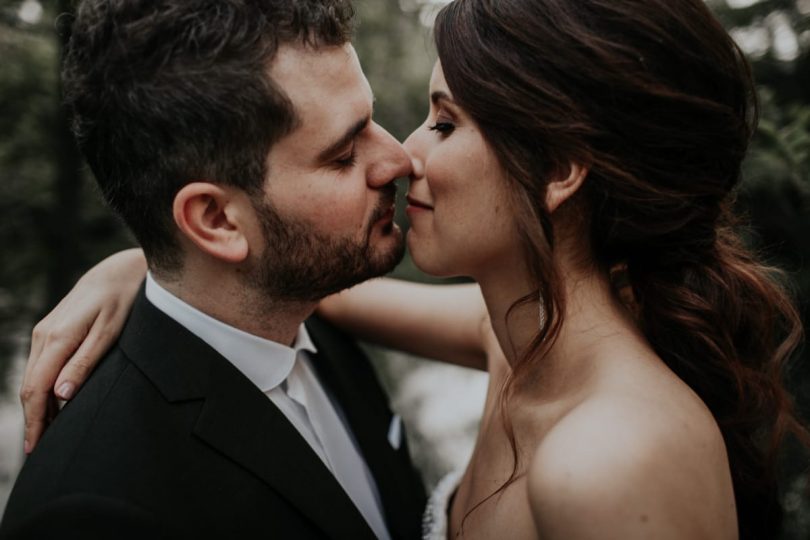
(541, 311)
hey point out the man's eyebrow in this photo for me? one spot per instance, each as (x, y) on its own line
(345, 139)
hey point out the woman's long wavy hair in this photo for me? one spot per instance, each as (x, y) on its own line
(658, 101)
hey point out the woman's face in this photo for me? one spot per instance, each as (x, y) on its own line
(461, 221)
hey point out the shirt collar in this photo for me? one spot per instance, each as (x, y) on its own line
(265, 363)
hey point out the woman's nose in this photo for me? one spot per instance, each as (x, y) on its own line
(414, 149)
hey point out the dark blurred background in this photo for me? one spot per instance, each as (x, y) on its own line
(54, 225)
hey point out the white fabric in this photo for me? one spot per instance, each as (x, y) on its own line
(395, 432)
(342, 456)
(434, 520)
(286, 376)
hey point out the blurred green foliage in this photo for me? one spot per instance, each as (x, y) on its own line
(55, 226)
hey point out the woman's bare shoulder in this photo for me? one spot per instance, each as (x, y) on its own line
(626, 465)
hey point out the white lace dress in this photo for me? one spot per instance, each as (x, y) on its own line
(434, 520)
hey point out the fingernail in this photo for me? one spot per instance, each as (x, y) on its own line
(65, 391)
(27, 447)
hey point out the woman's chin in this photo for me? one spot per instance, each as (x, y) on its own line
(420, 256)
(429, 264)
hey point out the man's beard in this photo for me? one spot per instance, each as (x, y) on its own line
(303, 265)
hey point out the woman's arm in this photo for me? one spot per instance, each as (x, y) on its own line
(68, 343)
(444, 322)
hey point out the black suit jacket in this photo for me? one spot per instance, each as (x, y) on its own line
(168, 439)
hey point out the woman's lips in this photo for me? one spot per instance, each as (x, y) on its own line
(414, 204)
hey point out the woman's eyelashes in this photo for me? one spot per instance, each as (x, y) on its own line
(442, 126)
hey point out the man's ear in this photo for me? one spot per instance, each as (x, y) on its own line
(560, 190)
(213, 218)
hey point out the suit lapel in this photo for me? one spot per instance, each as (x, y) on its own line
(244, 425)
(238, 420)
(366, 411)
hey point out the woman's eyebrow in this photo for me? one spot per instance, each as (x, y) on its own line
(440, 95)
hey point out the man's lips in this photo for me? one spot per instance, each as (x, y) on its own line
(418, 204)
(385, 211)
(388, 215)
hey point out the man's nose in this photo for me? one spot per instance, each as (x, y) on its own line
(393, 162)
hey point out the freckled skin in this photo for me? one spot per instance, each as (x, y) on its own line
(611, 441)
(459, 176)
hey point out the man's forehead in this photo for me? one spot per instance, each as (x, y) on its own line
(301, 67)
(327, 88)
(299, 52)
(312, 75)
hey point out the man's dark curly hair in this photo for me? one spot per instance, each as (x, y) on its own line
(165, 92)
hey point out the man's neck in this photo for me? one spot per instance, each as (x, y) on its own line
(247, 309)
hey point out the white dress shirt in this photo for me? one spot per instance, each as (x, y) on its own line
(286, 376)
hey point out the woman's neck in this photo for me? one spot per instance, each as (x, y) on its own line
(592, 319)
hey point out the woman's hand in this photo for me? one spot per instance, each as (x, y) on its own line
(68, 343)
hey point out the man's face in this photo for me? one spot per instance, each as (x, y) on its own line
(327, 216)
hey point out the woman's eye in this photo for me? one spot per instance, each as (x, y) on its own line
(442, 127)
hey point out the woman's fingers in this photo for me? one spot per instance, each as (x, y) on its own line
(52, 344)
(44, 365)
(98, 340)
(68, 343)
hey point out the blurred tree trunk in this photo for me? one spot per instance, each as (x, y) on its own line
(63, 224)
